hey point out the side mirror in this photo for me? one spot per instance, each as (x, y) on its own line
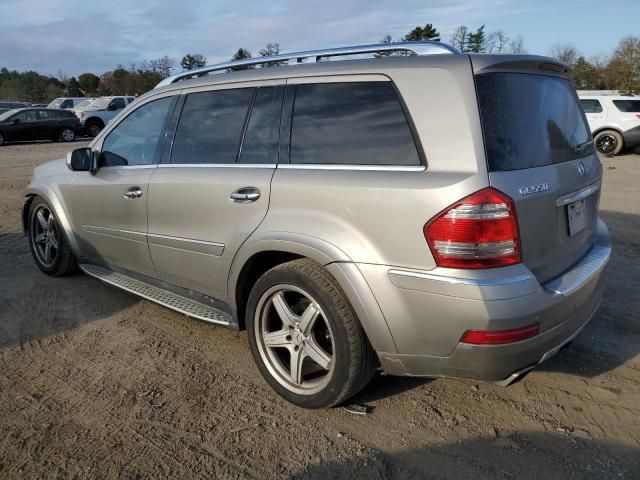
(16, 121)
(79, 160)
(111, 107)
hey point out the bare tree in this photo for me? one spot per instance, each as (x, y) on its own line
(497, 42)
(517, 45)
(459, 38)
(565, 52)
(270, 50)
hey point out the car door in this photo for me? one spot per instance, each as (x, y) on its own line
(596, 116)
(25, 128)
(110, 205)
(214, 190)
(48, 124)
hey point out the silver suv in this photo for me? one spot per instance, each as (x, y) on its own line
(430, 213)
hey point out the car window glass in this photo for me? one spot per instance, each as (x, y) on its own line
(27, 116)
(136, 139)
(66, 104)
(359, 123)
(130, 99)
(210, 126)
(260, 144)
(118, 103)
(591, 106)
(627, 106)
(46, 114)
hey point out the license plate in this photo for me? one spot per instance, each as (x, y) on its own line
(577, 213)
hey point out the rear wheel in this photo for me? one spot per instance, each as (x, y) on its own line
(305, 338)
(609, 142)
(67, 135)
(1, 140)
(48, 244)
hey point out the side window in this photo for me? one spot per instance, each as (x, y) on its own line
(591, 106)
(358, 123)
(46, 114)
(130, 99)
(627, 106)
(210, 126)
(136, 139)
(117, 103)
(26, 116)
(260, 144)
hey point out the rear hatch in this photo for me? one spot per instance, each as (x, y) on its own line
(539, 152)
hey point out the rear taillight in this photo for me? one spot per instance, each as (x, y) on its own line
(498, 337)
(479, 231)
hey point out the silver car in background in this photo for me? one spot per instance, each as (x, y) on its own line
(430, 214)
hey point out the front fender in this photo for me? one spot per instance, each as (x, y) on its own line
(62, 215)
(336, 262)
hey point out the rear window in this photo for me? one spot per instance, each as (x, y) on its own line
(359, 123)
(627, 106)
(530, 121)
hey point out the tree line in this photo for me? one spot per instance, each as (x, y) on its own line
(618, 71)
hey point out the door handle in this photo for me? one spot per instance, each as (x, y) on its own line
(245, 195)
(133, 192)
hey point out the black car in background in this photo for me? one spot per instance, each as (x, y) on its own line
(6, 106)
(38, 124)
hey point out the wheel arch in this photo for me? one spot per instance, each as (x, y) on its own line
(58, 208)
(95, 119)
(257, 256)
(602, 129)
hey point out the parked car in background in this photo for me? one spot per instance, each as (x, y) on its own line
(39, 105)
(433, 214)
(614, 121)
(96, 115)
(6, 106)
(66, 102)
(38, 124)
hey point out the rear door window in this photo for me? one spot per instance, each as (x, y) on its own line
(627, 106)
(530, 121)
(591, 106)
(118, 103)
(355, 123)
(210, 126)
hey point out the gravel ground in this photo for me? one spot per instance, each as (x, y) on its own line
(96, 383)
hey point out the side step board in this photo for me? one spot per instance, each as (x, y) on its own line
(158, 295)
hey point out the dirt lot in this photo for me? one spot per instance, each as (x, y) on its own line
(96, 383)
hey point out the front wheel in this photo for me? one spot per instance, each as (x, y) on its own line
(48, 244)
(94, 128)
(609, 142)
(305, 337)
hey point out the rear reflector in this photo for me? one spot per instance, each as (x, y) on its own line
(499, 337)
(479, 231)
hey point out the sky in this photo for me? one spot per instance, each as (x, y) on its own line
(77, 36)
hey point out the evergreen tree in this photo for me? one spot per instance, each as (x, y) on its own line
(241, 54)
(428, 32)
(189, 62)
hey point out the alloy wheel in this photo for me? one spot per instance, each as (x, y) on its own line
(606, 144)
(295, 340)
(44, 236)
(68, 135)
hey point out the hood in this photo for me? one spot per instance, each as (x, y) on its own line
(51, 168)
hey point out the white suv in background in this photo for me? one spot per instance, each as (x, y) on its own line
(614, 121)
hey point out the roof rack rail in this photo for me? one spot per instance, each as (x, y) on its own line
(416, 48)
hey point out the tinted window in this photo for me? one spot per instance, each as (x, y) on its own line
(530, 120)
(130, 99)
(591, 106)
(118, 103)
(26, 116)
(627, 105)
(136, 139)
(210, 126)
(66, 104)
(260, 143)
(47, 115)
(351, 123)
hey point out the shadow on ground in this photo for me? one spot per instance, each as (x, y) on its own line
(515, 455)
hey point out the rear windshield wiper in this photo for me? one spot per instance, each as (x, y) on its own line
(582, 146)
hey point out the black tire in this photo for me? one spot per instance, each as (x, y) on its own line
(62, 260)
(1, 139)
(609, 142)
(94, 128)
(67, 135)
(353, 360)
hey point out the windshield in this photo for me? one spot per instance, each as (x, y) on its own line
(5, 116)
(530, 121)
(55, 103)
(101, 102)
(84, 103)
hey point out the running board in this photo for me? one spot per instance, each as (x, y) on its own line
(176, 302)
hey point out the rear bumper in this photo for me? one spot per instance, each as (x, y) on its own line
(441, 312)
(631, 137)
